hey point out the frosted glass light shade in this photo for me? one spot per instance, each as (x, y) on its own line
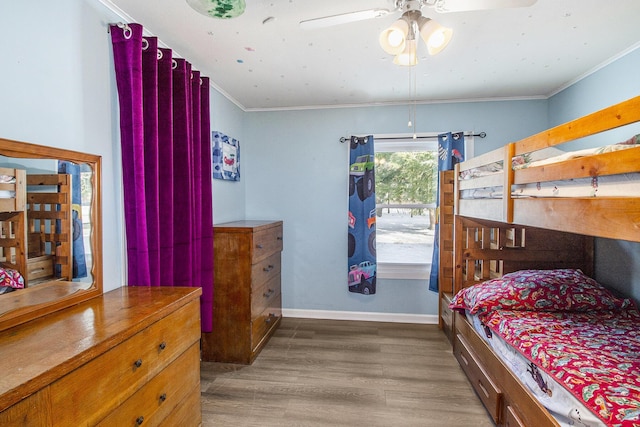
(393, 39)
(408, 57)
(435, 36)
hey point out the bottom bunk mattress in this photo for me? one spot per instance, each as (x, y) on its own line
(583, 367)
(567, 337)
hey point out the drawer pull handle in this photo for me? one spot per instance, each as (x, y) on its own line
(259, 246)
(279, 238)
(466, 362)
(137, 363)
(268, 293)
(163, 397)
(139, 420)
(484, 390)
(268, 268)
(162, 345)
(269, 319)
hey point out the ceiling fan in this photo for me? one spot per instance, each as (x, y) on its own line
(400, 38)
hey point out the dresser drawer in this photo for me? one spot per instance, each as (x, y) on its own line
(188, 412)
(161, 395)
(32, 411)
(266, 242)
(265, 270)
(265, 296)
(511, 418)
(489, 393)
(40, 267)
(447, 317)
(99, 386)
(261, 325)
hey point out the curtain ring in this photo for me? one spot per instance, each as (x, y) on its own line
(174, 64)
(126, 30)
(160, 54)
(145, 44)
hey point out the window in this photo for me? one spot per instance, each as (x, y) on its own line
(406, 193)
(406, 183)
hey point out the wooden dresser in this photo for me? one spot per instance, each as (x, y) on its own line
(247, 303)
(129, 357)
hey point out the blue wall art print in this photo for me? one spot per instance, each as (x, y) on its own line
(226, 157)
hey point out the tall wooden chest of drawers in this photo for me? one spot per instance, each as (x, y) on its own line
(129, 357)
(247, 303)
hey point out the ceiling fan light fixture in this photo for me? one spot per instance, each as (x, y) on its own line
(394, 39)
(435, 36)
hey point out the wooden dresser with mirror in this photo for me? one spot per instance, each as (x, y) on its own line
(73, 354)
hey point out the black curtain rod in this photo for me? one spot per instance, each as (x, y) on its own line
(479, 134)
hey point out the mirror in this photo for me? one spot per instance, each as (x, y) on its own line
(50, 229)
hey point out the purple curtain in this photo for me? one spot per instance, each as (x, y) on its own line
(166, 163)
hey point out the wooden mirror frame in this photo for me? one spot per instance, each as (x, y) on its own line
(31, 303)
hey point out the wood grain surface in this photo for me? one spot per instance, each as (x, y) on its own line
(344, 373)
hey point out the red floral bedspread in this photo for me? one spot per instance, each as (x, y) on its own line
(11, 278)
(594, 355)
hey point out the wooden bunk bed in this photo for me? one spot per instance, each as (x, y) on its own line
(36, 226)
(495, 236)
(612, 217)
(49, 227)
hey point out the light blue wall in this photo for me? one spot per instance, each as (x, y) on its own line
(296, 170)
(611, 84)
(228, 196)
(617, 262)
(58, 89)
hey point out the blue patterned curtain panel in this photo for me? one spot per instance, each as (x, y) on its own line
(362, 216)
(79, 261)
(450, 152)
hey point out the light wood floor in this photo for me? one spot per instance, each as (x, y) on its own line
(344, 373)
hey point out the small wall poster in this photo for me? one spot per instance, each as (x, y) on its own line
(226, 157)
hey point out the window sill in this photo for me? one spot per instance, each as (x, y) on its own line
(396, 270)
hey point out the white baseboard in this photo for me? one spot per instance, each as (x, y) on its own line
(427, 319)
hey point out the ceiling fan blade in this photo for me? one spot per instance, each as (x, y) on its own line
(446, 6)
(343, 18)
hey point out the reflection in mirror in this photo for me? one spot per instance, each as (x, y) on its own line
(49, 230)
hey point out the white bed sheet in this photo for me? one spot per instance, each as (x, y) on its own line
(565, 408)
(563, 156)
(622, 185)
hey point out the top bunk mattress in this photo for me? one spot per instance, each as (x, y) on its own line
(620, 185)
(7, 179)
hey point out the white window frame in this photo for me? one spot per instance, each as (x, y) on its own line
(386, 143)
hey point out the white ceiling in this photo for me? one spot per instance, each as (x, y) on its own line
(501, 53)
